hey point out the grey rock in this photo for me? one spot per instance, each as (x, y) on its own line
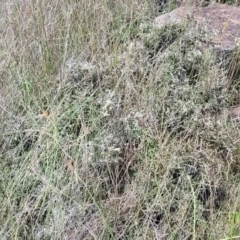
(221, 20)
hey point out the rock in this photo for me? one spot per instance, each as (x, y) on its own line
(220, 19)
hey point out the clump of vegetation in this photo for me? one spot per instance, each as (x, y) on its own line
(112, 129)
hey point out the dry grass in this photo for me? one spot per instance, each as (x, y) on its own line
(111, 129)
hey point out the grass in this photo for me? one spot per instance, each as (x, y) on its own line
(112, 129)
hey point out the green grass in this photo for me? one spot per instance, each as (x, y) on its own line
(112, 129)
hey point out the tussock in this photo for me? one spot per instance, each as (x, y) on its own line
(112, 129)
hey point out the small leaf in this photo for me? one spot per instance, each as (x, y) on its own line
(44, 115)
